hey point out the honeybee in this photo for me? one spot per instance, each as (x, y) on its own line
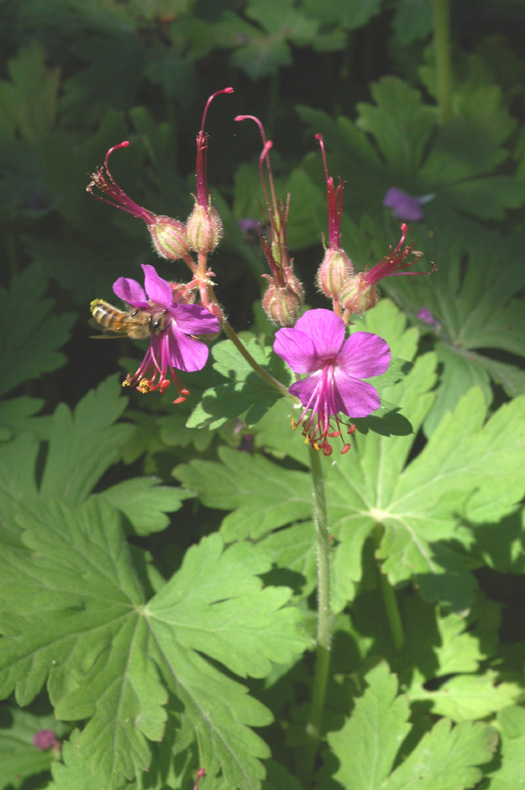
(138, 323)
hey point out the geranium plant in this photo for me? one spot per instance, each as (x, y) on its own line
(280, 543)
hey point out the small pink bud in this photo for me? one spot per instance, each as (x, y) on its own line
(204, 228)
(357, 295)
(44, 740)
(334, 272)
(169, 238)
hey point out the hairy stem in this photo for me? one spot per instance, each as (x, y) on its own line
(314, 724)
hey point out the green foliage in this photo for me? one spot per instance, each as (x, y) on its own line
(366, 747)
(159, 576)
(30, 345)
(98, 668)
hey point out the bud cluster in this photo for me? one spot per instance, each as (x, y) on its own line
(178, 317)
(172, 239)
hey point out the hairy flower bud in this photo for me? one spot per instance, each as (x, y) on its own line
(204, 228)
(357, 295)
(334, 272)
(283, 304)
(169, 238)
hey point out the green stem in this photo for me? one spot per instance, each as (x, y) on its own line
(392, 611)
(390, 601)
(443, 68)
(314, 724)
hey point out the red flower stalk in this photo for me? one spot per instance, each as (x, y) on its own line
(168, 235)
(284, 298)
(204, 225)
(336, 267)
(199, 777)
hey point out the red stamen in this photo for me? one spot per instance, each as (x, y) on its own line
(199, 777)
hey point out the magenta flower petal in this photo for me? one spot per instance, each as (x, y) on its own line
(130, 292)
(158, 290)
(364, 355)
(325, 329)
(296, 348)
(193, 319)
(186, 353)
(360, 398)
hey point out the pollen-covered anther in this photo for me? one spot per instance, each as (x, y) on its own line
(144, 386)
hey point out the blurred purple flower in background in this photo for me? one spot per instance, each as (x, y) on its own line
(45, 739)
(404, 206)
(426, 316)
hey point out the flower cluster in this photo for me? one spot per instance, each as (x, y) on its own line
(162, 310)
(315, 345)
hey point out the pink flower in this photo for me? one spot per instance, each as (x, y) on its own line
(45, 739)
(174, 345)
(335, 367)
(426, 316)
(404, 206)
